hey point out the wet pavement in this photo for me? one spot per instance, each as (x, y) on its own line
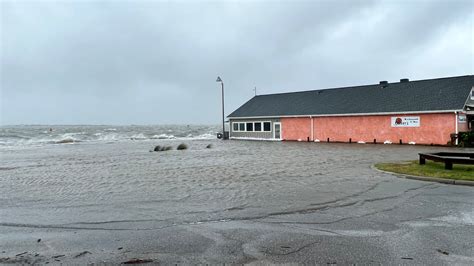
(240, 202)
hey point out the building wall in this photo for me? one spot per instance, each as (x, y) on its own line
(298, 128)
(463, 126)
(260, 135)
(433, 129)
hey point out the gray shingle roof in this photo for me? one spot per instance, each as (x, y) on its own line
(421, 95)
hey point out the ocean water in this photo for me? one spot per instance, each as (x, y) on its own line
(14, 137)
(104, 177)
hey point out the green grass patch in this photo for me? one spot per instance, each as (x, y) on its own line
(431, 169)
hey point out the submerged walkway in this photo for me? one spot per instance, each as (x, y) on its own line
(240, 202)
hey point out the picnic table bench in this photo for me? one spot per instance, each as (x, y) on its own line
(448, 158)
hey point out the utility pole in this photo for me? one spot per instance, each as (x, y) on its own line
(223, 118)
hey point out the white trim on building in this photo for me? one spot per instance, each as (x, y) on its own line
(356, 114)
(245, 127)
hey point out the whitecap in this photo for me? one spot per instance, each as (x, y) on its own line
(139, 136)
(163, 136)
(206, 136)
(108, 137)
(66, 140)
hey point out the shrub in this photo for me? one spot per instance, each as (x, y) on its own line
(182, 146)
(162, 148)
(466, 139)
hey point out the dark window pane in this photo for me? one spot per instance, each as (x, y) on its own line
(236, 126)
(241, 126)
(266, 126)
(258, 126)
(249, 126)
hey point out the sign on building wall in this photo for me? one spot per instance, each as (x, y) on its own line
(405, 121)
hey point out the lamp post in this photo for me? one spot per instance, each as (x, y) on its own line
(223, 125)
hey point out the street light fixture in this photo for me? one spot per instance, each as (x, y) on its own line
(223, 123)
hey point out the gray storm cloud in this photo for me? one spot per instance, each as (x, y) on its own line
(143, 62)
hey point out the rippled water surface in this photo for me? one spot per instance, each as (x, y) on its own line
(122, 184)
(15, 137)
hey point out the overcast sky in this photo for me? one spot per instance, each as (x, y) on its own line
(156, 62)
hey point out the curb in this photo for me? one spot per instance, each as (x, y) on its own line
(426, 178)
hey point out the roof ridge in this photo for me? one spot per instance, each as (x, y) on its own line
(357, 86)
(463, 76)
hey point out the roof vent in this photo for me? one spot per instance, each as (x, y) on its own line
(383, 82)
(404, 80)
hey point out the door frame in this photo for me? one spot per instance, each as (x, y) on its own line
(274, 125)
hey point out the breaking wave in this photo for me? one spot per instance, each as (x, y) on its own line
(108, 137)
(139, 136)
(163, 136)
(37, 136)
(206, 136)
(66, 140)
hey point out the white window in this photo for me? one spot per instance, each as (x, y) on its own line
(249, 126)
(238, 126)
(259, 126)
(267, 127)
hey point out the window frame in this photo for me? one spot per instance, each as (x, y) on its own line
(247, 124)
(263, 126)
(239, 124)
(244, 124)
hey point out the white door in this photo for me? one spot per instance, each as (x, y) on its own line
(277, 130)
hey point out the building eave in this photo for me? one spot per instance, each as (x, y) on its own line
(352, 114)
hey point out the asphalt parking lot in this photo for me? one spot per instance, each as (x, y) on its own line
(284, 203)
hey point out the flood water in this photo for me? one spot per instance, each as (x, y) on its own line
(122, 184)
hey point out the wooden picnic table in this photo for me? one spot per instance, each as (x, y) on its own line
(448, 158)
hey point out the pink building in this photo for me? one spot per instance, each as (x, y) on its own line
(413, 112)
